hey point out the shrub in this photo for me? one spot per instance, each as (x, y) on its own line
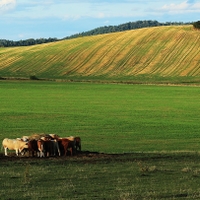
(33, 78)
(196, 24)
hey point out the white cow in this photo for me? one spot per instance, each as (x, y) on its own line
(14, 144)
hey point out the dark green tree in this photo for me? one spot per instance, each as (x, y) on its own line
(196, 25)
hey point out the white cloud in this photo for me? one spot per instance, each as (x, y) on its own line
(196, 7)
(184, 7)
(175, 7)
(7, 5)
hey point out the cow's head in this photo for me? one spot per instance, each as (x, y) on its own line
(24, 149)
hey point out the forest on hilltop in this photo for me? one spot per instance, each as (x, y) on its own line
(125, 27)
(96, 31)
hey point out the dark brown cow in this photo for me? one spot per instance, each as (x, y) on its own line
(66, 144)
(56, 149)
(51, 147)
(32, 147)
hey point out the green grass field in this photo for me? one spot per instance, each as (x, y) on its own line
(147, 137)
(111, 118)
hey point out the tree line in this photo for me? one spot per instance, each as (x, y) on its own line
(28, 42)
(96, 31)
(125, 27)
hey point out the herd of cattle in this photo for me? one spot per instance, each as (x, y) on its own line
(43, 145)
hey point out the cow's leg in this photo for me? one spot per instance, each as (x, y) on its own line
(38, 153)
(65, 151)
(17, 152)
(53, 149)
(58, 150)
(71, 151)
(75, 147)
(22, 151)
(5, 149)
(57, 147)
(42, 154)
(79, 146)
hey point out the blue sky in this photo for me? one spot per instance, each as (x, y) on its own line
(23, 19)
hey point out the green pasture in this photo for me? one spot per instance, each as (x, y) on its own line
(146, 139)
(110, 118)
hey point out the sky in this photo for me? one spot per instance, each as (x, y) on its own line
(24, 19)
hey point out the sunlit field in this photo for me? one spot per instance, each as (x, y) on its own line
(157, 54)
(143, 140)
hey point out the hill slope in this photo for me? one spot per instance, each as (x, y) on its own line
(151, 53)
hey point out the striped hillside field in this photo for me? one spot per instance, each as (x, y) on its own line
(166, 51)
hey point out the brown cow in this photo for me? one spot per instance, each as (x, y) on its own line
(66, 144)
(40, 144)
(77, 143)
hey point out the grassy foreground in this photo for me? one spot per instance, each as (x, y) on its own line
(147, 137)
(132, 176)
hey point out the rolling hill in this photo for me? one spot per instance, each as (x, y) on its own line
(169, 53)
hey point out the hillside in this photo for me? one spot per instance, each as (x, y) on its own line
(170, 53)
(100, 30)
